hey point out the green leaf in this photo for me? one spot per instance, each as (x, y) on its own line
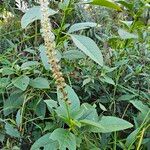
(41, 109)
(73, 54)
(92, 123)
(102, 107)
(18, 118)
(126, 35)
(86, 81)
(81, 26)
(87, 112)
(45, 142)
(2, 137)
(106, 3)
(3, 84)
(132, 137)
(72, 96)
(33, 14)
(39, 83)
(21, 82)
(126, 4)
(89, 47)
(29, 64)
(140, 106)
(7, 71)
(44, 57)
(127, 23)
(51, 104)
(10, 130)
(126, 97)
(14, 101)
(65, 138)
(30, 50)
(107, 79)
(111, 124)
(62, 112)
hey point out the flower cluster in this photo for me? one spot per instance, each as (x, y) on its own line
(49, 40)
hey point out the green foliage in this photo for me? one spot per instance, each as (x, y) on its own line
(65, 139)
(45, 142)
(39, 83)
(89, 47)
(33, 14)
(106, 3)
(104, 57)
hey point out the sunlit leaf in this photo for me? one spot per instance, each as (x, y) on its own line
(45, 142)
(81, 26)
(39, 83)
(89, 47)
(111, 124)
(33, 14)
(106, 3)
(126, 35)
(10, 130)
(21, 82)
(65, 138)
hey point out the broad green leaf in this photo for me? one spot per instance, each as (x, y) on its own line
(45, 142)
(62, 112)
(7, 71)
(127, 23)
(140, 106)
(126, 4)
(73, 54)
(14, 101)
(63, 4)
(30, 50)
(92, 124)
(81, 26)
(39, 83)
(106, 3)
(29, 64)
(50, 126)
(107, 79)
(44, 57)
(41, 109)
(3, 84)
(72, 97)
(21, 82)
(111, 124)
(89, 47)
(126, 97)
(108, 69)
(10, 130)
(132, 136)
(88, 112)
(126, 35)
(65, 138)
(33, 14)
(51, 104)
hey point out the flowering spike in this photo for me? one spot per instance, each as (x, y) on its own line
(50, 44)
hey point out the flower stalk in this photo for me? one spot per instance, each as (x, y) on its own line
(50, 45)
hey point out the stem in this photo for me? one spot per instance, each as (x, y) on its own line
(141, 138)
(63, 22)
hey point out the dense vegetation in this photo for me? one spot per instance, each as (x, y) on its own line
(94, 94)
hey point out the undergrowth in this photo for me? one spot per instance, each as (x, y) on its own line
(87, 87)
